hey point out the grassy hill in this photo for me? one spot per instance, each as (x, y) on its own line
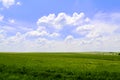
(59, 66)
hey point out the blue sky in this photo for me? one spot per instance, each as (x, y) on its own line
(73, 25)
(32, 10)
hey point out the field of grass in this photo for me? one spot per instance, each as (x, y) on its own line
(59, 66)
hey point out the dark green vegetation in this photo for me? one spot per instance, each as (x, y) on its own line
(66, 66)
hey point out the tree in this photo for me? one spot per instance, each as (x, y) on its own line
(118, 53)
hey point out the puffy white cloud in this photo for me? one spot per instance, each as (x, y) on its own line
(54, 35)
(17, 38)
(87, 19)
(69, 38)
(18, 3)
(61, 20)
(43, 33)
(97, 29)
(41, 28)
(64, 32)
(102, 29)
(8, 3)
(11, 21)
(95, 32)
(77, 19)
(84, 29)
(37, 33)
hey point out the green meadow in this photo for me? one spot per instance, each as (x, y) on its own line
(59, 66)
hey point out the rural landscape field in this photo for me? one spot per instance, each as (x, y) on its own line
(59, 39)
(60, 66)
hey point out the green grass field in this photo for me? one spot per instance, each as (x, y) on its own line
(59, 66)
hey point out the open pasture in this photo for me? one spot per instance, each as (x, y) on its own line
(59, 66)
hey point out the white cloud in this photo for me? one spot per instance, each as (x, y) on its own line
(54, 35)
(69, 38)
(1, 18)
(18, 3)
(12, 21)
(87, 19)
(8, 3)
(37, 33)
(76, 19)
(17, 38)
(102, 29)
(8, 28)
(41, 28)
(2, 34)
(24, 28)
(64, 32)
(97, 29)
(62, 19)
(84, 29)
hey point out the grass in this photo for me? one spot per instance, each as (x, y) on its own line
(66, 66)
